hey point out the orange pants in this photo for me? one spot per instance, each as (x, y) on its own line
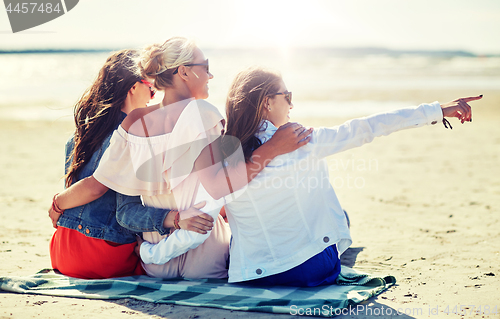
(77, 255)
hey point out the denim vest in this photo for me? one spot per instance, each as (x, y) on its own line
(96, 219)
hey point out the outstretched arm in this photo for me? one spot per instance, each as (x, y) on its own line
(354, 133)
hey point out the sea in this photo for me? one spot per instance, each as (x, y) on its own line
(44, 85)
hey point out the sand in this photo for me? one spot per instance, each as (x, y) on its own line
(424, 207)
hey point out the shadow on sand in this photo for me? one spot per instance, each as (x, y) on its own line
(348, 258)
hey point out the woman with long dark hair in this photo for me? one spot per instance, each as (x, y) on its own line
(88, 241)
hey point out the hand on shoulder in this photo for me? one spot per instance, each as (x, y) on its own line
(289, 137)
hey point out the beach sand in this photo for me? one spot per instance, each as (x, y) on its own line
(424, 206)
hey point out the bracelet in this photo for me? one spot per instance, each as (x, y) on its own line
(176, 221)
(55, 207)
(445, 121)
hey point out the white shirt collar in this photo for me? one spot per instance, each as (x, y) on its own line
(266, 131)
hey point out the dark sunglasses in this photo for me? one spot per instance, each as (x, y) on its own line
(288, 96)
(150, 85)
(193, 64)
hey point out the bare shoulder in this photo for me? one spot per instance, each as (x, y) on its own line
(136, 115)
(206, 107)
(208, 111)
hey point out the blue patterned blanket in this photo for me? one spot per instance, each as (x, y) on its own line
(352, 288)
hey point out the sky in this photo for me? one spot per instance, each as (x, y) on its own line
(402, 25)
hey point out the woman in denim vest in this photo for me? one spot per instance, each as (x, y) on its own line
(90, 242)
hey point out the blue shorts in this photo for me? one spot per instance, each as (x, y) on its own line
(321, 269)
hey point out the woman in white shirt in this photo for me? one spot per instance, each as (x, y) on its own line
(288, 226)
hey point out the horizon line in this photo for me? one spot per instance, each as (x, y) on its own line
(361, 50)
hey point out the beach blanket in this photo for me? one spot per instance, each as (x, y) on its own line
(352, 287)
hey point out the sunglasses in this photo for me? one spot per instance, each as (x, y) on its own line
(150, 85)
(205, 64)
(288, 96)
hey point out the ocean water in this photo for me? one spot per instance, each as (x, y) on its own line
(45, 86)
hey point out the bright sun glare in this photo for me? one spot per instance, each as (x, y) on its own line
(274, 23)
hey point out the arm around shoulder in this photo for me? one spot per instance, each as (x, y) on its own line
(82, 192)
(133, 215)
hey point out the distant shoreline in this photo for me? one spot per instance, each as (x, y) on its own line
(56, 51)
(343, 52)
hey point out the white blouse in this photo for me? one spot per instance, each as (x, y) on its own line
(160, 169)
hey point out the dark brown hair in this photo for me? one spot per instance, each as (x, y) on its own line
(98, 111)
(245, 105)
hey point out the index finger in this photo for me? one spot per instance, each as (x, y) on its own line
(306, 132)
(472, 98)
(290, 124)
